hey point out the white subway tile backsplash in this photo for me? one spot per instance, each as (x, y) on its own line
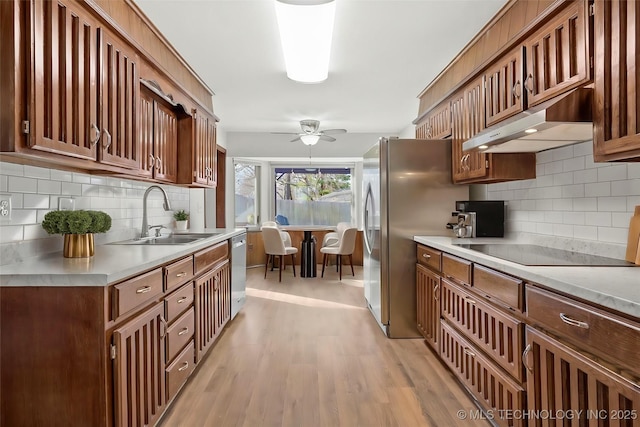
(612, 173)
(35, 192)
(581, 200)
(612, 204)
(629, 187)
(65, 176)
(36, 172)
(574, 164)
(597, 189)
(601, 219)
(49, 187)
(583, 149)
(36, 201)
(563, 153)
(612, 235)
(18, 184)
(587, 175)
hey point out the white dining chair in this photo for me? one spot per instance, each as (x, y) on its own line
(333, 238)
(274, 246)
(346, 246)
(286, 237)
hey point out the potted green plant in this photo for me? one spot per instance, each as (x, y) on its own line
(182, 219)
(78, 228)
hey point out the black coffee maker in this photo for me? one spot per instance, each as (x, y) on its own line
(486, 217)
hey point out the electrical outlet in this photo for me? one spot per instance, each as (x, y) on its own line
(5, 206)
(66, 204)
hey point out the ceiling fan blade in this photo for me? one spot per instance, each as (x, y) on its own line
(284, 133)
(295, 139)
(327, 138)
(332, 131)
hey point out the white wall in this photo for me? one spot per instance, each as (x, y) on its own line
(35, 191)
(573, 198)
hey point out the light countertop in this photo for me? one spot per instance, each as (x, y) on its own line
(617, 288)
(111, 263)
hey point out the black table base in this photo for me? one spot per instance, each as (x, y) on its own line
(308, 256)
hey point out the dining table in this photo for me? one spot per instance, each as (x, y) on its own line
(308, 246)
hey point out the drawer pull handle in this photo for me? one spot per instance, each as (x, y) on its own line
(471, 301)
(525, 353)
(184, 366)
(181, 274)
(181, 300)
(427, 256)
(143, 290)
(469, 352)
(435, 291)
(573, 322)
(183, 331)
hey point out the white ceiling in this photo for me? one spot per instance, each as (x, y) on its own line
(383, 54)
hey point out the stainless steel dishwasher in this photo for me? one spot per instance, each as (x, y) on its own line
(238, 272)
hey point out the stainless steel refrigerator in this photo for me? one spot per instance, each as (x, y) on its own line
(408, 191)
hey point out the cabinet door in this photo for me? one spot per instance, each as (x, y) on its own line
(139, 379)
(428, 305)
(64, 85)
(165, 142)
(437, 124)
(145, 141)
(558, 55)
(617, 77)
(206, 312)
(458, 137)
(561, 380)
(205, 153)
(504, 87)
(119, 95)
(223, 295)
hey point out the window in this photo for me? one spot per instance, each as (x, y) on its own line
(247, 206)
(313, 196)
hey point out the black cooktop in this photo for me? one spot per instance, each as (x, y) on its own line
(535, 255)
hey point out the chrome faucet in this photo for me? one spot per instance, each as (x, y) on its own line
(165, 205)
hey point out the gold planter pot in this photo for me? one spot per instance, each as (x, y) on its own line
(78, 245)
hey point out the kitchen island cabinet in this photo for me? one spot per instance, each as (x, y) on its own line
(81, 349)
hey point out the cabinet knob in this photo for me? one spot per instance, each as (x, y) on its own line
(528, 83)
(152, 160)
(158, 163)
(181, 300)
(516, 91)
(525, 353)
(427, 256)
(183, 331)
(184, 366)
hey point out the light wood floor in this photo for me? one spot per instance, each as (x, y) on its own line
(306, 352)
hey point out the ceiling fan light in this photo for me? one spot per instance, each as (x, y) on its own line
(306, 30)
(309, 139)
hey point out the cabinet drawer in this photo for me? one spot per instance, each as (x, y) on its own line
(603, 334)
(456, 268)
(503, 289)
(177, 273)
(493, 389)
(499, 335)
(134, 292)
(178, 302)
(178, 371)
(429, 257)
(210, 256)
(179, 334)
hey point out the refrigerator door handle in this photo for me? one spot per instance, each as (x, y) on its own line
(367, 200)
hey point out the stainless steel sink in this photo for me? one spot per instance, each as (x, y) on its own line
(171, 239)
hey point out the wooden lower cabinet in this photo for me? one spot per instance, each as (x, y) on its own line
(213, 306)
(496, 392)
(139, 365)
(562, 381)
(428, 305)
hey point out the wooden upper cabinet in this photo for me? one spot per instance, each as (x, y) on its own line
(158, 133)
(467, 119)
(205, 153)
(63, 89)
(436, 124)
(558, 55)
(119, 102)
(617, 76)
(503, 92)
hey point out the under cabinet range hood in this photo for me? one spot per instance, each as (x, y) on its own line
(560, 121)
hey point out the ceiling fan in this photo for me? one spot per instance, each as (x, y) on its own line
(311, 134)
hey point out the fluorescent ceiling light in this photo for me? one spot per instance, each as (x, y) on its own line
(306, 29)
(309, 139)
